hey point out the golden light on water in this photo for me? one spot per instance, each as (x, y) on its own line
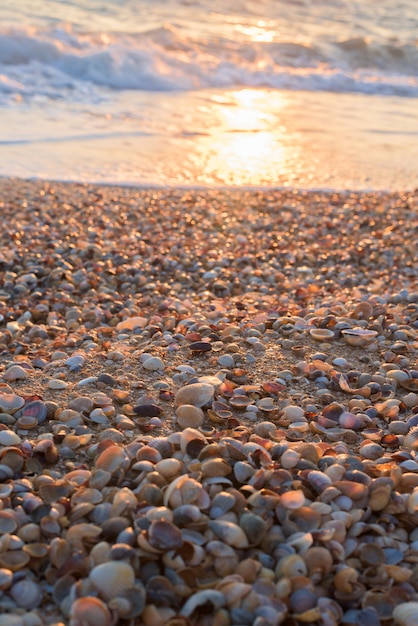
(247, 145)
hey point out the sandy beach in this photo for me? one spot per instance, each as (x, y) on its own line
(209, 406)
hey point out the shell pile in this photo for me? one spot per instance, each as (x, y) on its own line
(208, 407)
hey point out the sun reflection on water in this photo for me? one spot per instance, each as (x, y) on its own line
(247, 145)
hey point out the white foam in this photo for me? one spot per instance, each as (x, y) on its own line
(60, 63)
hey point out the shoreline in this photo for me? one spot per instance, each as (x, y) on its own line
(184, 411)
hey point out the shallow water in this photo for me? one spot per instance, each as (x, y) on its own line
(302, 93)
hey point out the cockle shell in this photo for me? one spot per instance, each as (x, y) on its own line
(89, 611)
(10, 403)
(230, 533)
(322, 334)
(406, 614)
(358, 336)
(197, 394)
(112, 578)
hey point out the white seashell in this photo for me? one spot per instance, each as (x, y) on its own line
(57, 384)
(406, 614)
(9, 438)
(15, 372)
(322, 334)
(197, 394)
(189, 416)
(112, 578)
(154, 364)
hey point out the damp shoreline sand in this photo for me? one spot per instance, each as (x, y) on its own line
(288, 478)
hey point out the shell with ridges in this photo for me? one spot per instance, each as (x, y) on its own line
(112, 578)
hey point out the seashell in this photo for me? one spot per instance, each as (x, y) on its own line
(292, 499)
(322, 334)
(9, 438)
(12, 458)
(410, 384)
(8, 523)
(56, 384)
(359, 336)
(130, 603)
(318, 560)
(273, 388)
(350, 420)
(411, 439)
(371, 451)
(10, 403)
(27, 594)
(398, 574)
(215, 467)
(89, 611)
(53, 491)
(26, 422)
(163, 445)
(15, 372)
(185, 490)
(14, 560)
(203, 598)
(248, 569)
(221, 504)
(111, 459)
(186, 515)
(189, 416)
(6, 578)
(254, 526)
(344, 579)
(190, 435)
(112, 578)
(363, 311)
(147, 410)
(319, 480)
(164, 535)
(310, 616)
(241, 402)
(69, 418)
(413, 501)
(169, 468)
(46, 451)
(291, 566)
(197, 394)
(380, 498)
(371, 555)
(36, 409)
(230, 533)
(59, 552)
(148, 453)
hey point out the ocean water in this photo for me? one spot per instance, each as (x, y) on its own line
(242, 92)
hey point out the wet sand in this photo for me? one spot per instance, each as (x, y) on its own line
(209, 406)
